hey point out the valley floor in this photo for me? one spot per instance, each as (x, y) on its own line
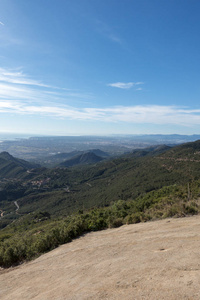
(154, 260)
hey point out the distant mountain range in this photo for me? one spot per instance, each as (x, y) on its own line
(41, 148)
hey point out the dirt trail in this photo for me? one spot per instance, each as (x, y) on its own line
(155, 260)
(16, 204)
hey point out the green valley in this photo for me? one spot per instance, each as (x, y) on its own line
(42, 208)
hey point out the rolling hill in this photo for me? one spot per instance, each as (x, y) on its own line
(56, 159)
(11, 167)
(83, 159)
(150, 151)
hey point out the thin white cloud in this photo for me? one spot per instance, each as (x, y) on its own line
(18, 77)
(108, 32)
(114, 38)
(137, 83)
(17, 86)
(124, 85)
(1, 23)
(21, 95)
(152, 114)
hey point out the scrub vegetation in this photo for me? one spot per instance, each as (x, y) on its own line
(44, 208)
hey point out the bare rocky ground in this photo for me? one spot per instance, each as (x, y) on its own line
(154, 260)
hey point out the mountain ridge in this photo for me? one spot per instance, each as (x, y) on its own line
(12, 167)
(82, 159)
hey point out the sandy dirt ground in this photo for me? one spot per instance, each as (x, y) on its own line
(154, 260)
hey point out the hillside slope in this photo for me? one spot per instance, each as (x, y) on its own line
(153, 260)
(150, 151)
(83, 159)
(62, 191)
(13, 167)
(56, 159)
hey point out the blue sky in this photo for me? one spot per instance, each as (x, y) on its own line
(99, 66)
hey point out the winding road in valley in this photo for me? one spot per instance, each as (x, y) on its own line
(16, 204)
(2, 213)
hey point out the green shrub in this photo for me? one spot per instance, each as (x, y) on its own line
(191, 209)
(114, 223)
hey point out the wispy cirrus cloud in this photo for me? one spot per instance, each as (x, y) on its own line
(1, 23)
(151, 114)
(108, 32)
(124, 85)
(20, 94)
(15, 85)
(18, 77)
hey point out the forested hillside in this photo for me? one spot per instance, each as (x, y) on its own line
(11, 167)
(43, 208)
